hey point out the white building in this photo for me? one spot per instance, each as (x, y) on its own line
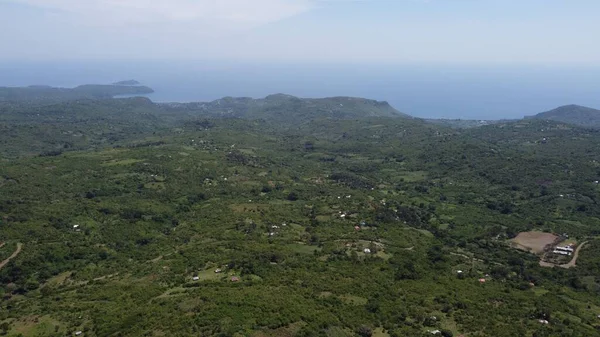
(565, 249)
(560, 252)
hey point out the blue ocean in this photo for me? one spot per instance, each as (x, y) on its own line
(430, 91)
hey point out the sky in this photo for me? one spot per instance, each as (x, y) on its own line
(487, 32)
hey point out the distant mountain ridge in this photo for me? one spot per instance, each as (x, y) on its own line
(287, 108)
(277, 108)
(572, 114)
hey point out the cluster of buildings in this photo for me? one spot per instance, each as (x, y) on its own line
(564, 250)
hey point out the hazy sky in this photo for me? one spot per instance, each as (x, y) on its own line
(322, 31)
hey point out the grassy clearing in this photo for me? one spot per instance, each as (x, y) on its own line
(209, 275)
(353, 300)
(155, 186)
(122, 162)
(380, 332)
(241, 208)
(35, 326)
(384, 255)
(337, 331)
(59, 279)
(422, 231)
(413, 176)
(176, 291)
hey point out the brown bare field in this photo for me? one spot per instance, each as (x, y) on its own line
(534, 241)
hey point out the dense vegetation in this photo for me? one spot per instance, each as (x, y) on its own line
(322, 222)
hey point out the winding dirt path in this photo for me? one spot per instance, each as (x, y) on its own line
(5, 262)
(573, 261)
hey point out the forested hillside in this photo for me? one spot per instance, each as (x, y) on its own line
(290, 217)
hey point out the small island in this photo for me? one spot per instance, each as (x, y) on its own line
(43, 93)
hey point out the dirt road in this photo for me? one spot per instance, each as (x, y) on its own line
(5, 262)
(573, 261)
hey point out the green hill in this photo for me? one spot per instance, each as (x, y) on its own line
(289, 109)
(49, 126)
(573, 114)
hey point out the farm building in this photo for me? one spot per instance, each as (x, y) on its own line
(565, 249)
(195, 278)
(561, 252)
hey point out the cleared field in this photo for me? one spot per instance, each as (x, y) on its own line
(353, 300)
(122, 162)
(36, 326)
(534, 242)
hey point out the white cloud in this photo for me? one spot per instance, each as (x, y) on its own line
(233, 12)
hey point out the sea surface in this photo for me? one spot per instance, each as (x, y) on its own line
(429, 91)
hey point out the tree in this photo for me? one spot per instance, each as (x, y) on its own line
(365, 331)
(447, 333)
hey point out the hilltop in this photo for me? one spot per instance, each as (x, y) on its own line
(127, 82)
(573, 114)
(287, 108)
(73, 123)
